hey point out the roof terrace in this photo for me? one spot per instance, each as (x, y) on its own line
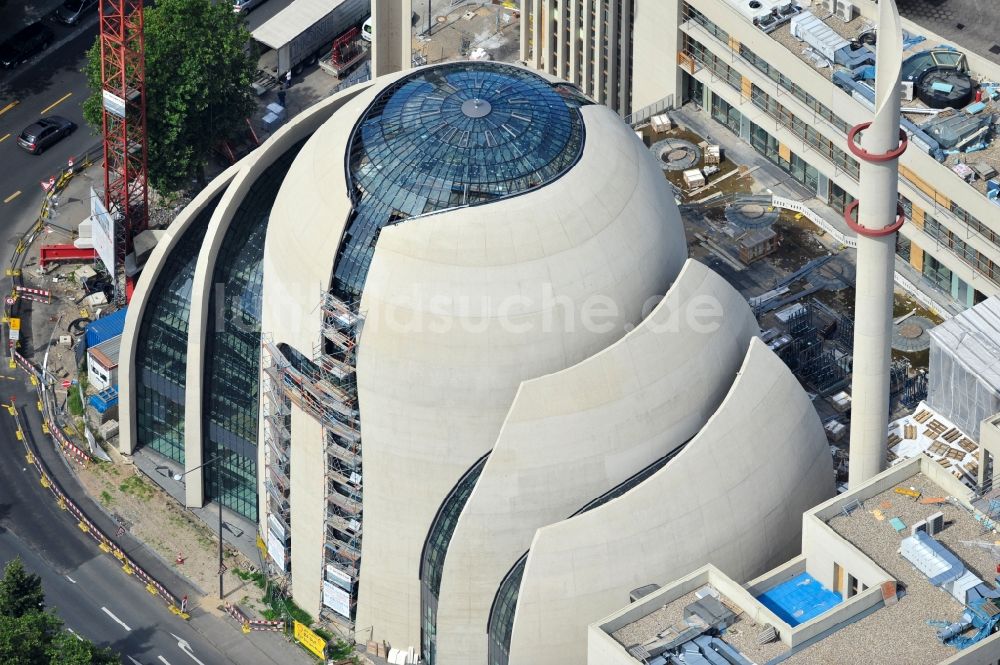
(947, 105)
(852, 596)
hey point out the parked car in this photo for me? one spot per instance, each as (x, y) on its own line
(241, 6)
(73, 10)
(45, 133)
(30, 40)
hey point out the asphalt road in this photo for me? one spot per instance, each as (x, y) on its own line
(51, 84)
(85, 586)
(54, 84)
(96, 603)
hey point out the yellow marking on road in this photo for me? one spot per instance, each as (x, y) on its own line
(8, 107)
(56, 103)
(4, 137)
(12, 196)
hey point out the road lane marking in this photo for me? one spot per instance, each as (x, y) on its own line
(116, 619)
(12, 196)
(164, 660)
(184, 646)
(4, 138)
(134, 661)
(8, 107)
(71, 579)
(74, 634)
(56, 103)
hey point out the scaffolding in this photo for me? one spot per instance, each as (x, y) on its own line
(323, 386)
(277, 462)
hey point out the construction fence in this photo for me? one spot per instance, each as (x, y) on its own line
(104, 542)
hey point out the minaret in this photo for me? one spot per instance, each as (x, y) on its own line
(392, 46)
(879, 217)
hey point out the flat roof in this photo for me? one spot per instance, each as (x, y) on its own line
(974, 24)
(927, 432)
(106, 353)
(742, 635)
(901, 634)
(292, 21)
(921, 113)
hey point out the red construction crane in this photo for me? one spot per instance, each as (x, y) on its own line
(123, 82)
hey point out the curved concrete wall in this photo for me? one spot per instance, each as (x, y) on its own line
(251, 167)
(733, 497)
(308, 220)
(462, 306)
(140, 299)
(575, 434)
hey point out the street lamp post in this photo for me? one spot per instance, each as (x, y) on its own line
(179, 477)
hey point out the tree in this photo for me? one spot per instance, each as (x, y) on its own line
(198, 86)
(31, 636)
(20, 591)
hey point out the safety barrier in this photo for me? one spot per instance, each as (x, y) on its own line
(52, 428)
(248, 624)
(796, 206)
(104, 542)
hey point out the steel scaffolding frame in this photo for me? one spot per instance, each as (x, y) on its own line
(325, 388)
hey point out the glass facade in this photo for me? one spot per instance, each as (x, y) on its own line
(232, 347)
(434, 552)
(501, 623)
(161, 347)
(450, 136)
(502, 613)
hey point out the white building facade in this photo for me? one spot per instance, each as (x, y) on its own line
(754, 79)
(413, 293)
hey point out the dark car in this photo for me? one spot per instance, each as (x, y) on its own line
(43, 134)
(73, 10)
(30, 40)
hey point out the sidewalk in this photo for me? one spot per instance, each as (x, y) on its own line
(769, 178)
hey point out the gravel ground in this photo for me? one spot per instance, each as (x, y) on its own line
(742, 635)
(900, 634)
(654, 623)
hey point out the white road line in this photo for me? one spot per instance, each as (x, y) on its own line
(184, 646)
(134, 661)
(116, 619)
(71, 579)
(163, 660)
(74, 634)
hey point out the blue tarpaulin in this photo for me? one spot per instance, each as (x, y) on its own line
(106, 327)
(105, 399)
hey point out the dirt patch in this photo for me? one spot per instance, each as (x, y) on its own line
(154, 518)
(722, 183)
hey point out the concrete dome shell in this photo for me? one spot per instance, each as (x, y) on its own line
(734, 497)
(460, 306)
(575, 434)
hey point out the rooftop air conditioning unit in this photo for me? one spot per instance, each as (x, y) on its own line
(829, 6)
(907, 91)
(845, 10)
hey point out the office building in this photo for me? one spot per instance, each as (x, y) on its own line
(791, 79)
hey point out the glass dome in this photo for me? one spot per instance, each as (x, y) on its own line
(458, 134)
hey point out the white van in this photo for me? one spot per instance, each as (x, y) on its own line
(367, 29)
